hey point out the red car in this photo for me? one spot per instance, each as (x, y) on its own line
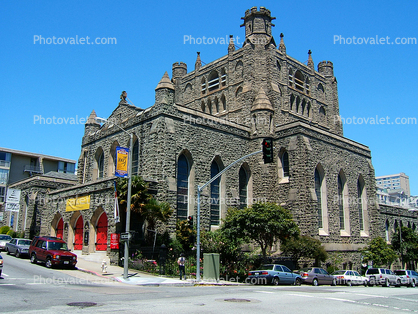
(52, 251)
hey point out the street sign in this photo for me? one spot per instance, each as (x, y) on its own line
(125, 236)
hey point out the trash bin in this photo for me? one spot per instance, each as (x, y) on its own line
(211, 266)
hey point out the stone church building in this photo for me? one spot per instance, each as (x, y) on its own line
(205, 119)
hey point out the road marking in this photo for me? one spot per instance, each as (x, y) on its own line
(344, 300)
(269, 292)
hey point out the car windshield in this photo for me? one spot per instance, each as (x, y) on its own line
(23, 242)
(400, 272)
(339, 272)
(57, 246)
(306, 270)
(5, 237)
(372, 271)
(267, 267)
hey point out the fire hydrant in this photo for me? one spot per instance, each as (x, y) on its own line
(104, 267)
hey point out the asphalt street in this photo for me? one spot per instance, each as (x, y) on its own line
(28, 288)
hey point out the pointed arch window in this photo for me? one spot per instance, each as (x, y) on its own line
(183, 172)
(285, 164)
(243, 188)
(387, 230)
(213, 81)
(100, 165)
(214, 195)
(360, 187)
(318, 192)
(341, 202)
(135, 158)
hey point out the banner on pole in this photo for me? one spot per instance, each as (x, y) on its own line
(12, 200)
(121, 162)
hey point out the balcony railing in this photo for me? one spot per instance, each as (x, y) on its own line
(4, 163)
(33, 169)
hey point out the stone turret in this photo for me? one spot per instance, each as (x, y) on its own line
(91, 125)
(179, 70)
(326, 68)
(164, 92)
(258, 26)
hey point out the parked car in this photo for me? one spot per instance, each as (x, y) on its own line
(1, 265)
(18, 247)
(349, 277)
(382, 276)
(317, 276)
(408, 277)
(274, 274)
(4, 238)
(52, 251)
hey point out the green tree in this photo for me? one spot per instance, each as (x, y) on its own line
(379, 252)
(408, 248)
(264, 223)
(304, 246)
(142, 202)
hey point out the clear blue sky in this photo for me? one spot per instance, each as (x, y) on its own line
(69, 81)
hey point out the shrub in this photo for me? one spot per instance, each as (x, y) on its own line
(4, 229)
(12, 233)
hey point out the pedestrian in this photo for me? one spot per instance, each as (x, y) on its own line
(182, 261)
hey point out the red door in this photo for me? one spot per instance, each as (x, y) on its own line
(101, 242)
(60, 229)
(78, 234)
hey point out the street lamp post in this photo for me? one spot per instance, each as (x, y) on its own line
(128, 201)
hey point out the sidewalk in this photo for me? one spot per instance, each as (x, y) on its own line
(135, 277)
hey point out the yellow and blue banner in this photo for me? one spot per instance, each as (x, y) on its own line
(121, 169)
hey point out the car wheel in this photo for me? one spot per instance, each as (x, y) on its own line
(275, 281)
(8, 252)
(48, 262)
(398, 283)
(348, 283)
(17, 254)
(315, 282)
(298, 282)
(387, 283)
(413, 284)
(33, 259)
(334, 282)
(365, 283)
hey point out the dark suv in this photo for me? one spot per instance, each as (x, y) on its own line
(52, 251)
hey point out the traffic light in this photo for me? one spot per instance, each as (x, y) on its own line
(268, 150)
(190, 221)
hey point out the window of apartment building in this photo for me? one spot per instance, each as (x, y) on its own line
(5, 159)
(183, 172)
(66, 167)
(214, 195)
(4, 176)
(2, 194)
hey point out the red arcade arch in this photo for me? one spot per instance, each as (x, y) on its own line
(78, 234)
(101, 236)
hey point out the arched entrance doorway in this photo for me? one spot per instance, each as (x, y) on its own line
(101, 233)
(78, 234)
(60, 229)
